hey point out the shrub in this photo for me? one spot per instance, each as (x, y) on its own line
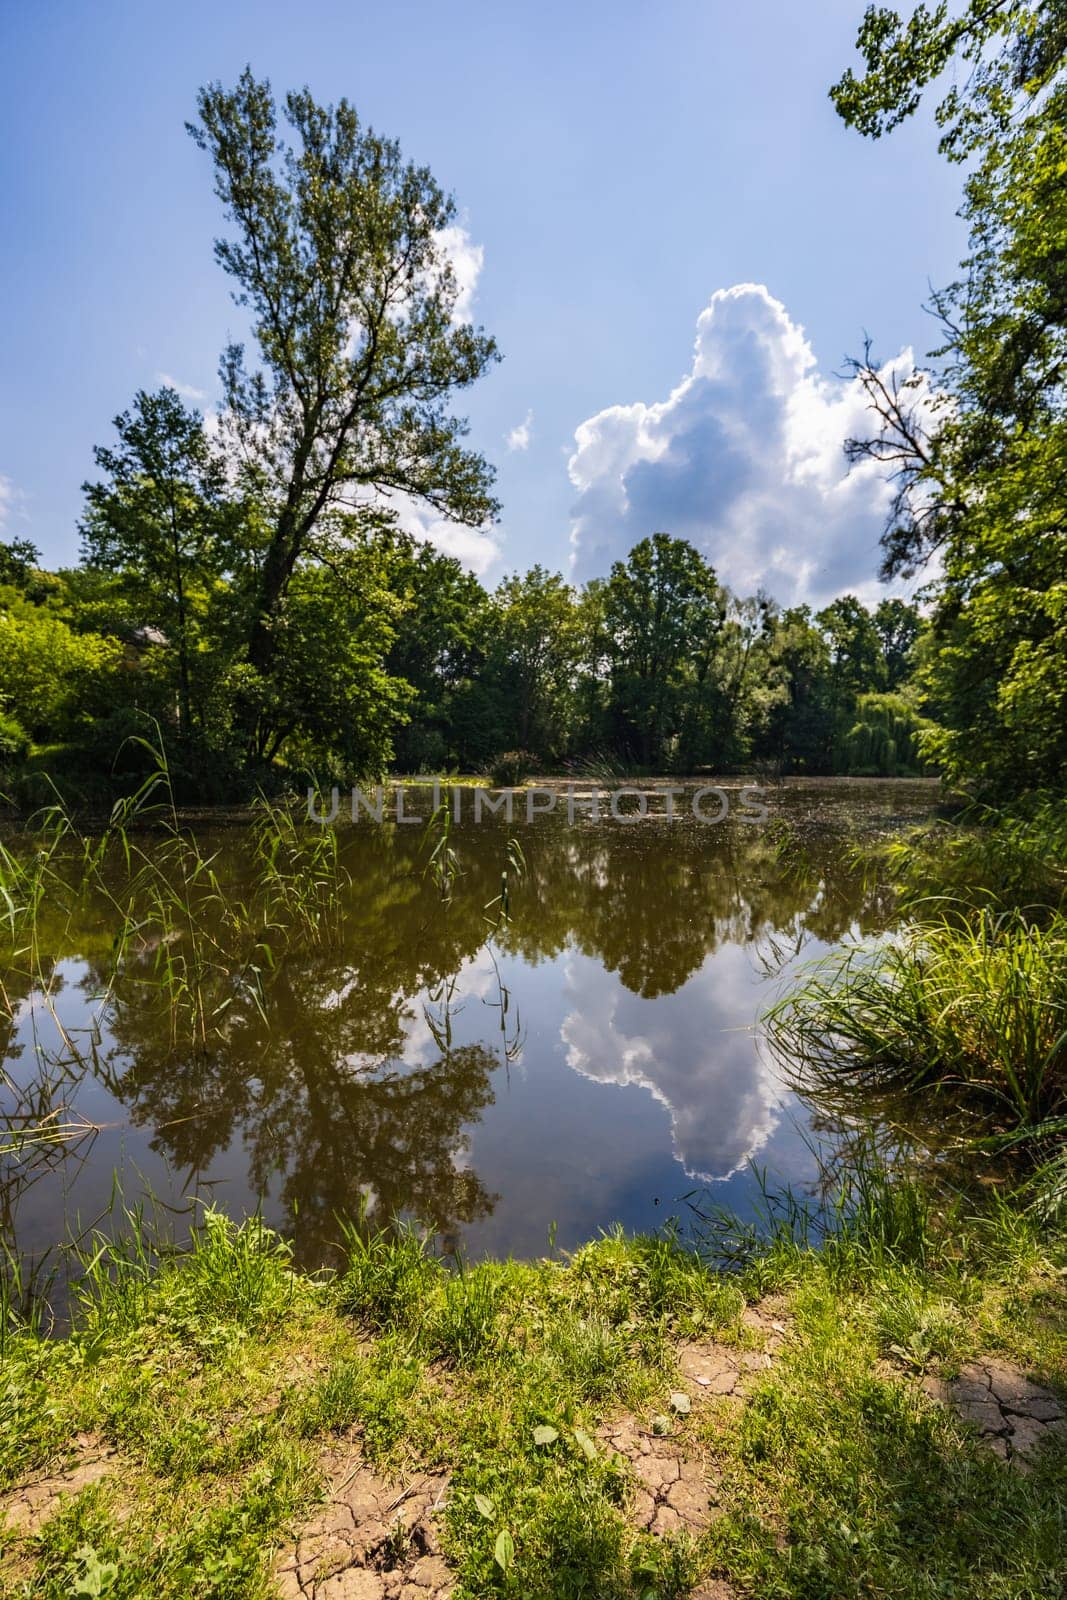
(512, 767)
(49, 675)
(14, 741)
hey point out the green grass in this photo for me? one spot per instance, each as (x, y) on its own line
(967, 1010)
(221, 1375)
(1013, 857)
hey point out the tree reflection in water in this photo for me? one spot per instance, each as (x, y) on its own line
(341, 1087)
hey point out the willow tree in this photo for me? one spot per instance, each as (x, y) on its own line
(884, 739)
(340, 254)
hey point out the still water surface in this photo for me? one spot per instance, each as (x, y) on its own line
(598, 1062)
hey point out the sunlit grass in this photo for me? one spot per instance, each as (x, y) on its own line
(219, 1375)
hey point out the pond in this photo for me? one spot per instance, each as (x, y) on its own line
(594, 1060)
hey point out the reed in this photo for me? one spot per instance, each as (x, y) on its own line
(970, 1011)
(204, 941)
(443, 867)
(299, 877)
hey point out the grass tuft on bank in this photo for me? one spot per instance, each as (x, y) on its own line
(971, 1010)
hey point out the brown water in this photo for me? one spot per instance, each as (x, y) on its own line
(597, 1062)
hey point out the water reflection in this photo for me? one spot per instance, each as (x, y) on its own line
(693, 1051)
(373, 1071)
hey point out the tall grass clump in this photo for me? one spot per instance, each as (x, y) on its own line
(1014, 857)
(300, 881)
(511, 768)
(229, 1276)
(873, 1211)
(969, 1012)
(390, 1272)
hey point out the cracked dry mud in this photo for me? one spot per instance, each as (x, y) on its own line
(26, 1509)
(676, 1484)
(377, 1540)
(1012, 1414)
(674, 1492)
(372, 1540)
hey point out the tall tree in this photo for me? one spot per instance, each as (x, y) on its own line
(441, 637)
(980, 475)
(799, 727)
(19, 559)
(333, 704)
(662, 607)
(898, 625)
(855, 650)
(159, 517)
(340, 257)
(535, 656)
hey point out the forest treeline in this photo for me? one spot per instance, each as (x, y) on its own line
(396, 657)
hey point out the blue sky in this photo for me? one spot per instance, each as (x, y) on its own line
(615, 165)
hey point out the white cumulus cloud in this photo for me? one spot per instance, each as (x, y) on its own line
(476, 548)
(12, 504)
(467, 259)
(744, 458)
(520, 435)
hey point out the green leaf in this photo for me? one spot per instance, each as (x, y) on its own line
(98, 1576)
(504, 1550)
(681, 1403)
(584, 1443)
(485, 1506)
(545, 1434)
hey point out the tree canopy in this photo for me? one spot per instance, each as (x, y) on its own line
(339, 256)
(976, 443)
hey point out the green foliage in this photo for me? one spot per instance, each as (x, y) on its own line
(533, 657)
(51, 677)
(14, 740)
(1016, 857)
(885, 739)
(161, 521)
(395, 656)
(1013, 51)
(19, 559)
(440, 636)
(975, 446)
(329, 699)
(233, 1280)
(854, 645)
(663, 609)
(898, 625)
(512, 767)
